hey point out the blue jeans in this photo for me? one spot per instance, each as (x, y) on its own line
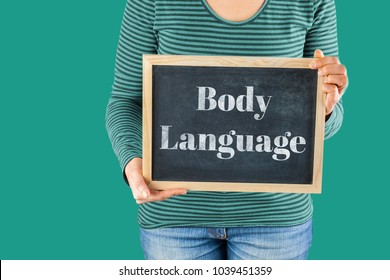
(235, 243)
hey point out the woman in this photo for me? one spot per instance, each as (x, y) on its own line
(181, 224)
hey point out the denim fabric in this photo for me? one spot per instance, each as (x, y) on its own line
(236, 243)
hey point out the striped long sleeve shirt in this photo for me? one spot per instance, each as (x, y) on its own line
(281, 28)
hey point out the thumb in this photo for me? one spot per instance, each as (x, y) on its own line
(315, 64)
(318, 54)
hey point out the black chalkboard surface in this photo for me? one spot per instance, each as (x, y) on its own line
(238, 126)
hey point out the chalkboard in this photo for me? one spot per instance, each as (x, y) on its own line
(232, 124)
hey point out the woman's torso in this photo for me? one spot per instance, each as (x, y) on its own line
(191, 27)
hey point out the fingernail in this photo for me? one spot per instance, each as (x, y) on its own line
(145, 194)
(313, 64)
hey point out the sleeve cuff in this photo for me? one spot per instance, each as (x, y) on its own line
(333, 124)
(123, 164)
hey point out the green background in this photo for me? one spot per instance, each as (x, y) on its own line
(62, 194)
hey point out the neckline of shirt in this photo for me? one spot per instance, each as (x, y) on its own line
(213, 13)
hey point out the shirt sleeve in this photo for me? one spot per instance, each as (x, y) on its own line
(323, 35)
(124, 109)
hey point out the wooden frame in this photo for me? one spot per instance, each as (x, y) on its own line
(240, 61)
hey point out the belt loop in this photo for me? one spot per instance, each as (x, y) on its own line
(219, 233)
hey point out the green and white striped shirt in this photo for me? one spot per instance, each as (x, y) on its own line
(282, 28)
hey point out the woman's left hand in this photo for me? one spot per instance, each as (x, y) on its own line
(335, 78)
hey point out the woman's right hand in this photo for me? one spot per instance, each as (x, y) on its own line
(141, 192)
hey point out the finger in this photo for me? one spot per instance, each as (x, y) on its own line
(161, 195)
(339, 80)
(321, 62)
(138, 185)
(330, 103)
(318, 54)
(330, 89)
(332, 69)
(332, 96)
